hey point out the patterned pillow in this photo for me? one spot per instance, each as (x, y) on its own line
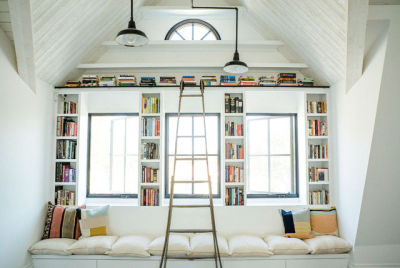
(324, 222)
(297, 223)
(94, 222)
(61, 222)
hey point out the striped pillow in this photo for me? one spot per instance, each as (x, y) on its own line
(62, 222)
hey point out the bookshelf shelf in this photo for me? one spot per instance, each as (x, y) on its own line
(68, 115)
(233, 114)
(66, 160)
(317, 137)
(234, 184)
(318, 160)
(65, 183)
(234, 160)
(66, 137)
(234, 137)
(316, 114)
(150, 184)
(150, 160)
(156, 114)
(150, 137)
(319, 182)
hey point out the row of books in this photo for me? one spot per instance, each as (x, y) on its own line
(66, 127)
(233, 129)
(320, 197)
(234, 196)
(150, 127)
(147, 81)
(234, 174)
(70, 107)
(149, 197)
(65, 198)
(150, 150)
(189, 80)
(150, 175)
(316, 107)
(247, 81)
(168, 80)
(65, 173)
(234, 151)
(150, 105)
(66, 149)
(317, 128)
(318, 151)
(233, 104)
(317, 174)
(286, 79)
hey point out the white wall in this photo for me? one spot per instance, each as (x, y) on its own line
(25, 146)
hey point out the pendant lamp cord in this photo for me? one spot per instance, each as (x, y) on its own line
(131, 9)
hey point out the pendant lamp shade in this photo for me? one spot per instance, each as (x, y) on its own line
(236, 66)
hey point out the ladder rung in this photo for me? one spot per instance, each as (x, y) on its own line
(191, 231)
(191, 158)
(191, 257)
(191, 206)
(192, 95)
(199, 181)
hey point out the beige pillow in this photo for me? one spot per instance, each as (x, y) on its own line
(328, 244)
(178, 245)
(203, 245)
(248, 246)
(95, 245)
(94, 222)
(281, 245)
(54, 246)
(132, 246)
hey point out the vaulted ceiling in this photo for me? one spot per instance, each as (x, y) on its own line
(5, 21)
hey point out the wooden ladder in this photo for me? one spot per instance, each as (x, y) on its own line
(216, 256)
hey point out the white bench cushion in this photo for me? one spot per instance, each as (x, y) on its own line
(328, 244)
(248, 245)
(53, 246)
(203, 244)
(95, 245)
(281, 245)
(177, 245)
(131, 245)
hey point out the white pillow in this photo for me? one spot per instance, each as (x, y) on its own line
(95, 245)
(283, 245)
(203, 245)
(131, 245)
(53, 246)
(178, 245)
(248, 246)
(328, 244)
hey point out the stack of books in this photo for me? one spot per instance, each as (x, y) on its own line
(316, 107)
(73, 84)
(317, 128)
(247, 81)
(318, 151)
(107, 81)
(306, 82)
(65, 173)
(150, 105)
(287, 79)
(89, 80)
(234, 151)
(150, 127)
(70, 107)
(234, 197)
(267, 81)
(65, 198)
(316, 174)
(149, 175)
(233, 129)
(209, 80)
(148, 81)
(126, 80)
(228, 80)
(66, 149)
(167, 80)
(318, 197)
(233, 104)
(66, 127)
(149, 197)
(189, 80)
(233, 174)
(150, 151)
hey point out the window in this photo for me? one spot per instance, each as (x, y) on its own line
(272, 155)
(190, 145)
(192, 29)
(113, 155)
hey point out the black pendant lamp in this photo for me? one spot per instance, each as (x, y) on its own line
(131, 37)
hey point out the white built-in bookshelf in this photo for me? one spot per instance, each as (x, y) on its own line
(66, 161)
(317, 148)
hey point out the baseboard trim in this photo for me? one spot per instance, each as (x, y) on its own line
(374, 265)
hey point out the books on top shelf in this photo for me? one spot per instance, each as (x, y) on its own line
(70, 107)
(287, 79)
(317, 128)
(167, 81)
(150, 105)
(150, 127)
(150, 175)
(234, 196)
(189, 80)
(320, 197)
(267, 81)
(234, 151)
(64, 197)
(209, 80)
(150, 151)
(66, 149)
(73, 84)
(65, 173)
(233, 129)
(306, 82)
(233, 104)
(149, 197)
(89, 80)
(228, 80)
(318, 107)
(66, 127)
(107, 81)
(247, 81)
(147, 81)
(126, 80)
(234, 174)
(318, 151)
(316, 174)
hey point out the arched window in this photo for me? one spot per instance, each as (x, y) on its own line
(192, 29)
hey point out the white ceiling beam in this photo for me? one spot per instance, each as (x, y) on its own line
(357, 15)
(21, 22)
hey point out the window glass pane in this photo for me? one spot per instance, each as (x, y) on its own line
(258, 174)
(280, 135)
(118, 170)
(171, 134)
(200, 31)
(199, 126)
(184, 172)
(185, 126)
(184, 146)
(201, 172)
(212, 134)
(258, 136)
(132, 136)
(131, 175)
(185, 31)
(199, 146)
(118, 135)
(192, 30)
(210, 36)
(281, 174)
(175, 36)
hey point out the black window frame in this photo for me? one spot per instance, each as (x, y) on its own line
(295, 158)
(193, 21)
(166, 157)
(88, 194)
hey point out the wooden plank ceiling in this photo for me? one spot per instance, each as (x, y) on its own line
(5, 21)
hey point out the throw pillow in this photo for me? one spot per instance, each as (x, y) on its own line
(94, 222)
(297, 223)
(324, 222)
